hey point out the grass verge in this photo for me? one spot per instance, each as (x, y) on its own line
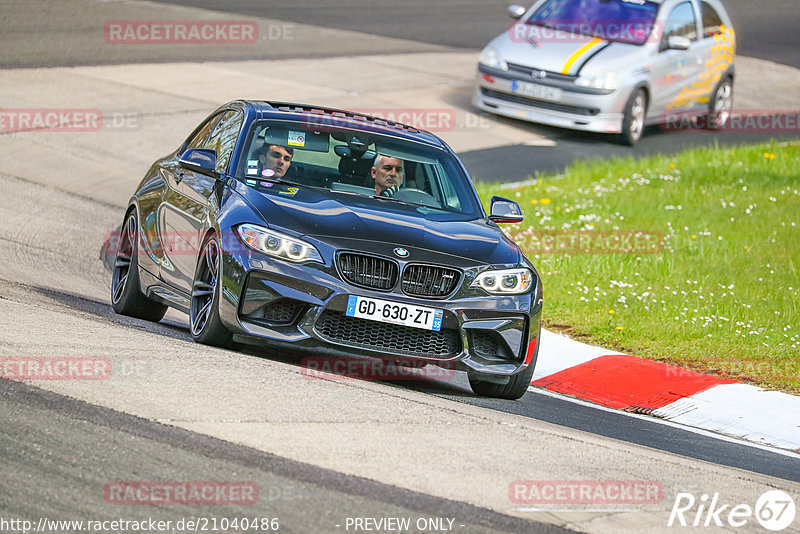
(690, 259)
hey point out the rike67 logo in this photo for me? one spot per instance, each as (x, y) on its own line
(774, 510)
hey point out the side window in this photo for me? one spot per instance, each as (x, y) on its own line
(450, 195)
(223, 138)
(681, 22)
(712, 23)
(199, 139)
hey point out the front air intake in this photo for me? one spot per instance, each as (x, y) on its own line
(368, 271)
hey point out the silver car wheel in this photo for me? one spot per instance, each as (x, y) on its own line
(637, 116)
(204, 288)
(722, 105)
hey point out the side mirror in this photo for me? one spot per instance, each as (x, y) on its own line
(516, 11)
(505, 211)
(202, 160)
(677, 42)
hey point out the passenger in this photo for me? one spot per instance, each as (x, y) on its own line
(388, 174)
(275, 157)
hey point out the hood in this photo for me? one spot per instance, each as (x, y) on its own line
(563, 53)
(344, 220)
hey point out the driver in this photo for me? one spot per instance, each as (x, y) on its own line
(275, 157)
(388, 174)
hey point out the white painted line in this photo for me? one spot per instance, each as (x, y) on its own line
(579, 510)
(540, 142)
(749, 412)
(522, 183)
(673, 424)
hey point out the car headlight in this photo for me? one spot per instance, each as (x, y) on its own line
(504, 281)
(602, 80)
(277, 244)
(491, 58)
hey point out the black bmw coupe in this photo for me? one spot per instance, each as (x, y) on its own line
(317, 229)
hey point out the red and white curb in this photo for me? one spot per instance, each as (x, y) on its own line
(682, 396)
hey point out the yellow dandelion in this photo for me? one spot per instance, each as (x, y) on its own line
(545, 201)
(747, 247)
(611, 312)
(671, 165)
(619, 328)
(694, 236)
(534, 201)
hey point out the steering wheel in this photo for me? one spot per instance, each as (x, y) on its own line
(416, 196)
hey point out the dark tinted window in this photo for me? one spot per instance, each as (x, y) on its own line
(681, 22)
(613, 20)
(712, 23)
(223, 138)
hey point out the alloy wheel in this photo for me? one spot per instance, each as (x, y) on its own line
(723, 104)
(204, 287)
(122, 263)
(637, 117)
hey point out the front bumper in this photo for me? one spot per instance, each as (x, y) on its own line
(575, 110)
(301, 306)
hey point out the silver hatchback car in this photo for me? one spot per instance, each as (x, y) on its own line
(611, 66)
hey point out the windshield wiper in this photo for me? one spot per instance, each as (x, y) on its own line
(380, 197)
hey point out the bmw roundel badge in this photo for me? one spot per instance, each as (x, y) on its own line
(401, 252)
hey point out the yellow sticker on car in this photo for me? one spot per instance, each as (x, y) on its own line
(579, 53)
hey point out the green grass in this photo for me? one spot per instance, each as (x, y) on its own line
(721, 295)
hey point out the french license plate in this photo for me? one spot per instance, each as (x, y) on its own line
(536, 91)
(385, 311)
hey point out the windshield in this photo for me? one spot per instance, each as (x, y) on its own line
(626, 21)
(354, 162)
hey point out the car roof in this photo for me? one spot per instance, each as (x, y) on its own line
(339, 118)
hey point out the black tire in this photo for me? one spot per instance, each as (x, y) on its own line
(633, 121)
(204, 323)
(514, 389)
(126, 293)
(720, 106)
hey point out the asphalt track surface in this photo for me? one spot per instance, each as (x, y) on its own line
(95, 445)
(562, 411)
(59, 450)
(520, 162)
(767, 30)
